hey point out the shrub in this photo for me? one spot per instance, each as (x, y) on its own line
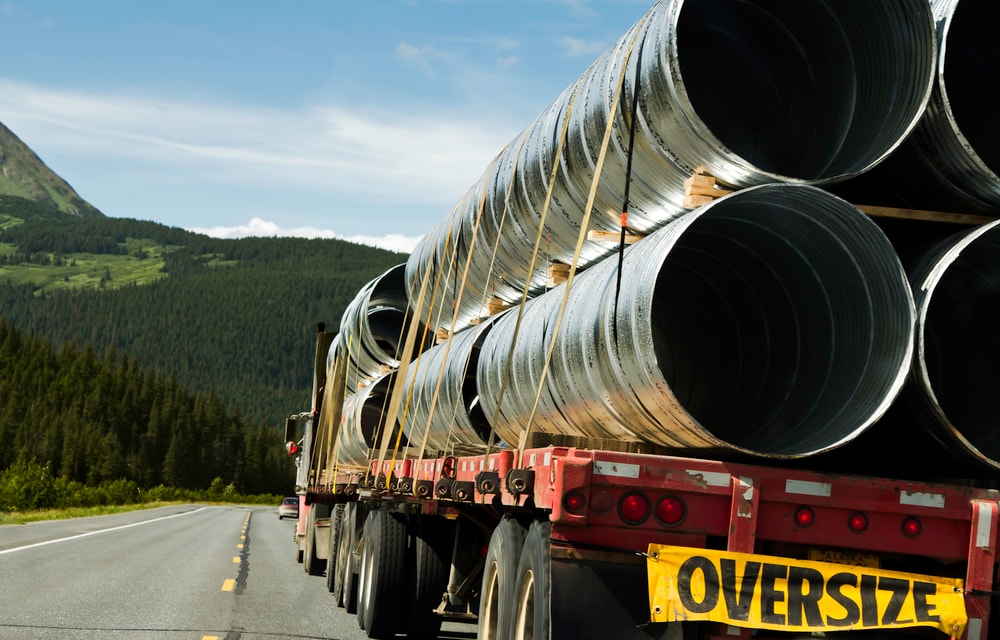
(27, 485)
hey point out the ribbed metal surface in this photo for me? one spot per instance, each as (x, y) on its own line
(371, 329)
(952, 160)
(957, 369)
(809, 92)
(448, 371)
(362, 421)
(777, 321)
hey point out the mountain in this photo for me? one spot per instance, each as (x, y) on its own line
(23, 174)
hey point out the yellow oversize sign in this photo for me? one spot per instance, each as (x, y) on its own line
(768, 592)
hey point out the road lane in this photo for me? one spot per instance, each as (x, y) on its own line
(160, 574)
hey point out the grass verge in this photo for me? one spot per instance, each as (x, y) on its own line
(22, 517)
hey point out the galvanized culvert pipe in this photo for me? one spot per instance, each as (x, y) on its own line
(362, 422)
(776, 321)
(372, 329)
(457, 416)
(813, 92)
(951, 162)
(956, 371)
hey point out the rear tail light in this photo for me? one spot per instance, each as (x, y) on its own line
(602, 502)
(911, 527)
(804, 517)
(670, 511)
(634, 508)
(574, 502)
(858, 522)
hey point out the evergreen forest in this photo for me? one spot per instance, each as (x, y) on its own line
(97, 419)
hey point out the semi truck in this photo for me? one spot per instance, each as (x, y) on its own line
(691, 360)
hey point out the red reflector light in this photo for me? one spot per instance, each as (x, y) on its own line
(574, 502)
(634, 508)
(858, 522)
(911, 527)
(670, 511)
(804, 517)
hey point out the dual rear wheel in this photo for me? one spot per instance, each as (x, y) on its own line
(514, 602)
(394, 559)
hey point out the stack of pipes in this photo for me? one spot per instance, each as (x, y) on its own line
(777, 320)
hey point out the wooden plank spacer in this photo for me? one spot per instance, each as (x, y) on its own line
(496, 305)
(613, 236)
(558, 273)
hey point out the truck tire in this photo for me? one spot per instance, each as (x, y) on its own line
(313, 564)
(309, 545)
(385, 575)
(496, 600)
(532, 586)
(433, 540)
(333, 576)
(349, 593)
(343, 556)
(363, 576)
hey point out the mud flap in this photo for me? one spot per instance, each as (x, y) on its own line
(603, 600)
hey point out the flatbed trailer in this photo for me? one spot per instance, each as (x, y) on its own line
(563, 542)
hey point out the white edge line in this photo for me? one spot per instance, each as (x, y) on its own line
(94, 533)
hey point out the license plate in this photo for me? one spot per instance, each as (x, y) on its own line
(843, 556)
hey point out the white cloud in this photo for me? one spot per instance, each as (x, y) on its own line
(258, 227)
(373, 155)
(576, 47)
(422, 57)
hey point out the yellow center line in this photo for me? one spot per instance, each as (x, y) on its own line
(239, 546)
(236, 559)
(210, 638)
(228, 585)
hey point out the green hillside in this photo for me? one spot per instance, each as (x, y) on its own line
(237, 317)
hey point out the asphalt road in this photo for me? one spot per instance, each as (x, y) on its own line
(182, 572)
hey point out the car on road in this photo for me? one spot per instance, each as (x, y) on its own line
(289, 507)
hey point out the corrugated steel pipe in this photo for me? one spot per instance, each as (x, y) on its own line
(812, 92)
(777, 321)
(457, 416)
(372, 329)
(956, 373)
(362, 422)
(951, 162)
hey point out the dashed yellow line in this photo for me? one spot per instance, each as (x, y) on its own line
(230, 584)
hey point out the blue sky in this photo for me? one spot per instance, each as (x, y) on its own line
(363, 119)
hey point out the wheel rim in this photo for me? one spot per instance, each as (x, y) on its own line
(491, 603)
(525, 625)
(364, 576)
